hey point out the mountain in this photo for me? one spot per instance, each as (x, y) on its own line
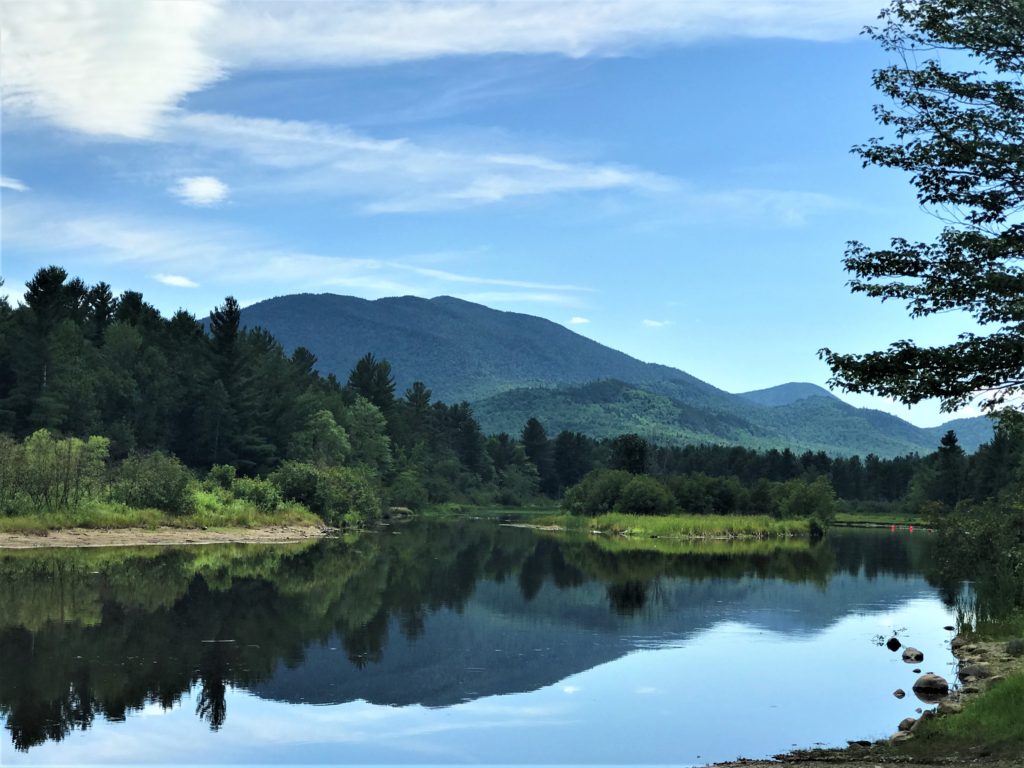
(786, 394)
(512, 366)
(461, 350)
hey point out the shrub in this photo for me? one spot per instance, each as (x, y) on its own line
(346, 495)
(340, 495)
(644, 495)
(154, 480)
(408, 491)
(263, 494)
(220, 476)
(297, 481)
(598, 492)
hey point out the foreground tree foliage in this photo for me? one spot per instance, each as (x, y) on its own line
(959, 130)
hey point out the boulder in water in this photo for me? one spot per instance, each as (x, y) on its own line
(912, 655)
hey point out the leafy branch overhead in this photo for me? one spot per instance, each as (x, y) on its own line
(960, 132)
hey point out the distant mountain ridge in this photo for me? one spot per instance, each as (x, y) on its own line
(786, 394)
(511, 366)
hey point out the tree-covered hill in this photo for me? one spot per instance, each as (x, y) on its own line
(512, 366)
(465, 351)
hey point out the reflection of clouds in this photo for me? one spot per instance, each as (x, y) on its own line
(646, 690)
(570, 689)
(362, 723)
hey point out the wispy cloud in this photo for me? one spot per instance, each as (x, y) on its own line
(789, 208)
(202, 191)
(657, 323)
(393, 175)
(217, 255)
(6, 182)
(578, 320)
(114, 68)
(176, 281)
(366, 33)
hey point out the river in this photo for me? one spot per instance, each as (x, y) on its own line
(441, 643)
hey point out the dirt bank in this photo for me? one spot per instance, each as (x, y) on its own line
(138, 537)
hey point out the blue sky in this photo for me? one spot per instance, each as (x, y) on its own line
(672, 179)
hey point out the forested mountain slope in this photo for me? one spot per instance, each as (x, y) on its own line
(512, 366)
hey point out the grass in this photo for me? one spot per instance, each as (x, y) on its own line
(682, 526)
(867, 518)
(211, 511)
(990, 724)
(455, 510)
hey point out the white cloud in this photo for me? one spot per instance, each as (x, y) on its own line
(6, 182)
(200, 190)
(393, 175)
(578, 321)
(177, 281)
(657, 323)
(115, 67)
(106, 68)
(367, 33)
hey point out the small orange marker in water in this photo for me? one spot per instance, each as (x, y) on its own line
(910, 528)
(892, 528)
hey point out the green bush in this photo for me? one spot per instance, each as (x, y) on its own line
(340, 495)
(220, 476)
(262, 494)
(408, 491)
(154, 480)
(346, 496)
(297, 481)
(598, 492)
(644, 495)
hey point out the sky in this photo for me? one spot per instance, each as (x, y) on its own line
(671, 178)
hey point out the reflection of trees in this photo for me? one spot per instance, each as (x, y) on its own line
(101, 633)
(627, 598)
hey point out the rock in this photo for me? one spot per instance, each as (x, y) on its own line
(930, 688)
(917, 671)
(900, 736)
(949, 628)
(899, 693)
(893, 644)
(859, 743)
(975, 671)
(906, 723)
(1015, 647)
(958, 642)
(947, 707)
(912, 655)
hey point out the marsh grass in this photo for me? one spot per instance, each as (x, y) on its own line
(682, 526)
(211, 510)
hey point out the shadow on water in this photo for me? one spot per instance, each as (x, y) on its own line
(95, 633)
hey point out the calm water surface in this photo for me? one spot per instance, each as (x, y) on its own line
(469, 643)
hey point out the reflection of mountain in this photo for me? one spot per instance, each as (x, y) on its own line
(499, 643)
(434, 615)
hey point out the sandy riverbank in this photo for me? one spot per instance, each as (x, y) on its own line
(139, 537)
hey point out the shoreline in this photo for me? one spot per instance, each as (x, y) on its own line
(161, 536)
(969, 653)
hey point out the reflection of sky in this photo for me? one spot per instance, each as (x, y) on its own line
(730, 690)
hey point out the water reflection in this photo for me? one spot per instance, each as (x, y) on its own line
(426, 614)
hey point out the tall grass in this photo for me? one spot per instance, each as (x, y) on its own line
(211, 511)
(992, 720)
(683, 526)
